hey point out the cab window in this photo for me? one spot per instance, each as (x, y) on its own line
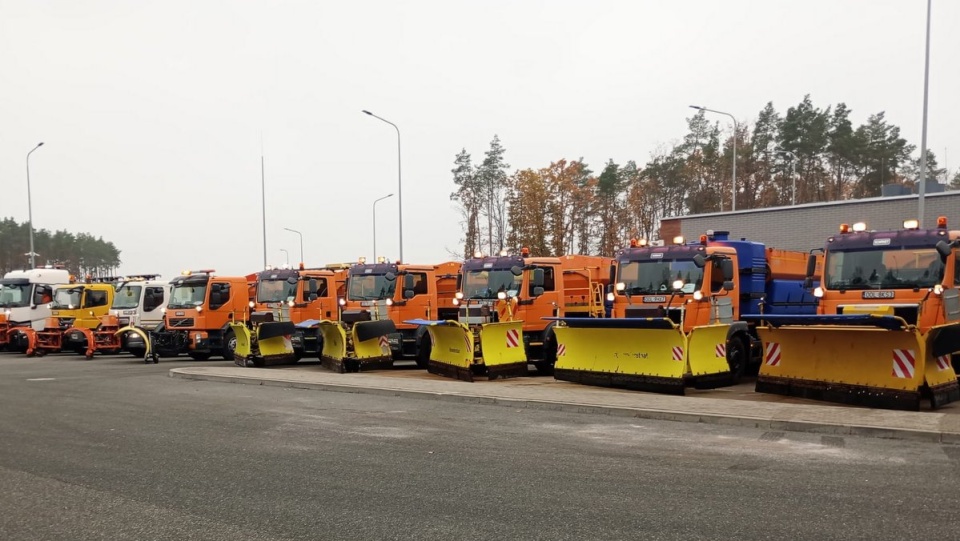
(152, 298)
(716, 276)
(95, 298)
(419, 283)
(321, 290)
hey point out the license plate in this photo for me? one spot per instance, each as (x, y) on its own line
(878, 295)
(655, 298)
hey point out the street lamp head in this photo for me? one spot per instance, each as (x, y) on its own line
(696, 107)
(40, 144)
(367, 112)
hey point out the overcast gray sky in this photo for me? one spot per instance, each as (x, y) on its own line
(153, 112)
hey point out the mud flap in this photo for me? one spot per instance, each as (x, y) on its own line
(868, 366)
(642, 354)
(141, 334)
(707, 364)
(502, 350)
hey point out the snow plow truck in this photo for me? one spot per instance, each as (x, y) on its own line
(677, 314)
(887, 331)
(502, 302)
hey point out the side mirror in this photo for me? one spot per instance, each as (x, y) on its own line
(812, 263)
(807, 282)
(728, 285)
(726, 267)
(699, 260)
(408, 294)
(390, 276)
(292, 280)
(537, 279)
(312, 287)
(215, 298)
(408, 282)
(537, 291)
(943, 248)
(312, 297)
(516, 271)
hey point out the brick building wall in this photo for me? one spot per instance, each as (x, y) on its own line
(804, 227)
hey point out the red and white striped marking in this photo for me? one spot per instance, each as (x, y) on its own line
(384, 342)
(468, 339)
(561, 349)
(677, 353)
(943, 362)
(904, 363)
(721, 350)
(771, 354)
(513, 338)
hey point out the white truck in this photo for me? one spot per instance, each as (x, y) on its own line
(138, 306)
(25, 296)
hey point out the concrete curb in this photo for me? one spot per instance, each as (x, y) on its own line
(595, 409)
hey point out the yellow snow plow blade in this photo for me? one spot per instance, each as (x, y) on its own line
(243, 348)
(334, 350)
(870, 360)
(141, 334)
(707, 356)
(452, 353)
(367, 347)
(501, 349)
(267, 344)
(644, 354)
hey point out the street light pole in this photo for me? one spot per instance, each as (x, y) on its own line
(399, 181)
(923, 138)
(375, 224)
(286, 253)
(736, 129)
(33, 263)
(793, 174)
(301, 241)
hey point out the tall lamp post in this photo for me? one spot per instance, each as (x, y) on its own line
(33, 263)
(923, 137)
(793, 173)
(287, 254)
(736, 129)
(399, 181)
(375, 225)
(301, 241)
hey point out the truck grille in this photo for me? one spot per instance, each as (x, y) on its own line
(176, 322)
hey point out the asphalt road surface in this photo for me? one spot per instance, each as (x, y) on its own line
(115, 449)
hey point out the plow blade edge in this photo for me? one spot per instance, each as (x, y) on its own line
(645, 356)
(868, 366)
(502, 350)
(370, 344)
(452, 352)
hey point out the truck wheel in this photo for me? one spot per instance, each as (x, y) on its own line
(423, 352)
(737, 356)
(199, 355)
(544, 366)
(229, 345)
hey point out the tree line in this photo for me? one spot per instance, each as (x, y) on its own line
(80, 253)
(807, 154)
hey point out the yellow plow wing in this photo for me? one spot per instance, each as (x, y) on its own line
(707, 356)
(856, 364)
(452, 352)
(334, 339)
(371, 346)
(642, 354)
(502, 350)
(244, 348)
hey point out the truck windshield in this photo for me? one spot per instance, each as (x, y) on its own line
(485, 284)
(67, 298)
(14, 296)
(886, 268)
(275, 291)
(370, 287)
(656, 276)
(187, 295)
(127, 298)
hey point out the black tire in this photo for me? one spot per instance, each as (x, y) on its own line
(545, 365)
(138, 352)
(738, 355)
(229, 345)
(423, 351)
(200, 355)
